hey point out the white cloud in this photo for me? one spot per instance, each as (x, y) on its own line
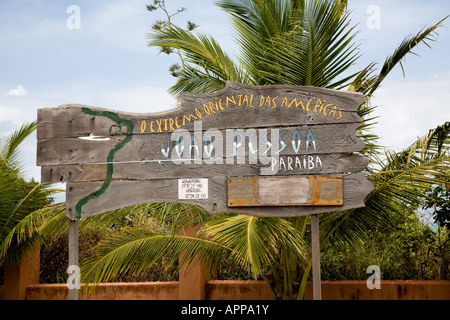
(409, 108)
(113, 14)
(18, 91)
(138, 98)
(118, 24)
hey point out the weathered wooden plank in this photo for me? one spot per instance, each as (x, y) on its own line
(236, 106)
(284, 165)
(285, 191)
(250, 143)
(137, 159)
(87, 199)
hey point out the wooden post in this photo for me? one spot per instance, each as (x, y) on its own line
(73, 253)
(319, 176)
(315, 242)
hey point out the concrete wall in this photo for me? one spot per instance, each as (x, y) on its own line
(390, 290)
(22, 282)
(237, 290)
(16, 279)
(110, 291)
(251, 290)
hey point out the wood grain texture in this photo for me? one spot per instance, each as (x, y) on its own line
(126, 193)
(135, 158)
(285, 191)
(331, 164)
(236, 106)
(288, 141)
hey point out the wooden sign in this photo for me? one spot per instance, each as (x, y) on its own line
(260, 150)
(285, 191)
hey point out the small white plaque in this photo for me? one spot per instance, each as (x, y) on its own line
(193, 189)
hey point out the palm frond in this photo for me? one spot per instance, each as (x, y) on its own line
(203, 52)
(255, 242)
(402, 181)
(364, 80)
(179, 217)
(318, 48)
(372, 148)
(22, 203)
(256, 23)
(10, 146)
(134, 250)
(27, 229)
(13, 142)
(405, 47)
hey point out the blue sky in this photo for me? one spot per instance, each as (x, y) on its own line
(107, 63)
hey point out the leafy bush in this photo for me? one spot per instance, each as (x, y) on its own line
(55, 251)
(413, 250)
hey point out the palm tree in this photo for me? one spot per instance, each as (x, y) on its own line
(23, 205)
(282, 42)
(275, 249)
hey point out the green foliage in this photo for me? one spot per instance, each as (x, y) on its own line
(257, 243)
(289, 42)
(206, 67)
(411, 250)
(54, 252)
(438, 202)
(161, 25)
(316, 46)
(23, 204)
